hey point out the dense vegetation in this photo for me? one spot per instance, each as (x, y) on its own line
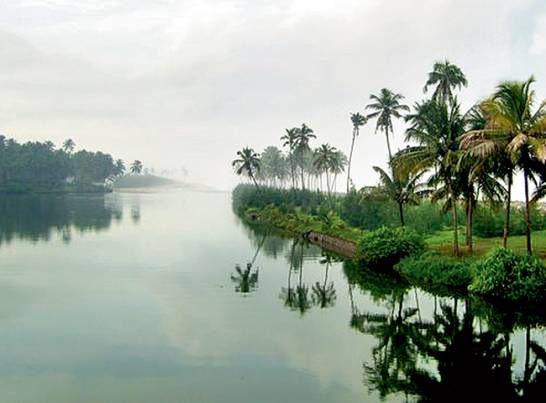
(466, 160)
(40, 167)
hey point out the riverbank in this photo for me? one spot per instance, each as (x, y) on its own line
(501, 274)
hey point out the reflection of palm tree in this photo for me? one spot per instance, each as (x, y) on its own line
(298, 299)
(288, 294)
(245, 280)
(324, 295)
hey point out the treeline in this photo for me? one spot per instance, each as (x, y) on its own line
(371, 208)
(461, 159)
(43, 167)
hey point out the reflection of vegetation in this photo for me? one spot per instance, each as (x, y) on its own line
(245, 280)
(297, 299)
(324, 295)
(38, 217)
(471, 363)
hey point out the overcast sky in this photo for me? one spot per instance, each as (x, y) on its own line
(187, 83)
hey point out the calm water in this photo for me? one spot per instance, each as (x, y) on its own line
(137, 298)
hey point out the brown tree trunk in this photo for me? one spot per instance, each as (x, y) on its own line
(401, 211)
(507, 217)
(455, 218)
(355, 131)
(527, 213)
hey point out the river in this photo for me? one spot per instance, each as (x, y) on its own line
(169, 297)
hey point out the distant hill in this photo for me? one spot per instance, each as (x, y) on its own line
(145, 181)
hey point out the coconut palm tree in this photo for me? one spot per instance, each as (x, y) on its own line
(386, 106)
(402, 189)
(136, 167)
(247, 163)
(290, 140)
(323, 162)
(358, 120)
(119, 167)
(446, 77)
(303, 135)
(515, 129)
(436, 127)
(68, 146)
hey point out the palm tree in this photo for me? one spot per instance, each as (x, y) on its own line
(68, 146)
(119, 167)
(248, 164)
(290, 139)
(358, 120)
(402, 189)
(324, 295)
(245, 280)
(515, 129)
(385, 107)
(446, 77)
(136, 167)
(323, 162)
(436, 128)
(303, 135)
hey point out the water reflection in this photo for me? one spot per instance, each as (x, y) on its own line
(245, 280)
(38, 217)
(324, 295)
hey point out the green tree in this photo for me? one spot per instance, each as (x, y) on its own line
(303, 135)
(386, 106)
(247, 163)
(290, 140)
(68, 146)
(446, 77)
(357, 120)
(402, 189)
(136, 167)
(515, 129)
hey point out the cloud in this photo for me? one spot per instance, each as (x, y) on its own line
(202, 78)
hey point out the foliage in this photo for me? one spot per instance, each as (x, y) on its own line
(510, 276)
(434, 269)
(385, 246)
(35, 166)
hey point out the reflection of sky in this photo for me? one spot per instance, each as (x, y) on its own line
(146, 311)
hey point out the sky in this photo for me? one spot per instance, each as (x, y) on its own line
(184, 83)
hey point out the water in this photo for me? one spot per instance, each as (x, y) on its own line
(137, 298)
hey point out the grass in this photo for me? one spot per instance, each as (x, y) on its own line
(442, 240)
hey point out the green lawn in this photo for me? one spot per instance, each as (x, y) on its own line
(442, 241)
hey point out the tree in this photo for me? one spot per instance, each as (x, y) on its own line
(436, 128)
(248, 164)
(402, 189)
(290, 140)
(515, 130)
(119, 167)
(68, 146)
(136, 167)
(303, 135)
(324, 162)
(446, 77)
(273, 166)
(386, 106)
(358, 120)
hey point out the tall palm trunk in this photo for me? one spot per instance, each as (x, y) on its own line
(401, 212)
(388, 145)
(355, 132)
(527, 213)
(469, 212)
(507, 216)
(455, 217)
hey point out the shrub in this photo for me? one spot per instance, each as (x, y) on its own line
(507, 275)
(434, 269)
(385, 246)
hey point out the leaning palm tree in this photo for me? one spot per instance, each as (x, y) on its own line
(358, 120)
(514, 129)
(136, 167)
(436, 127)
(402, 189)
(290, 140)
(68, 146)
(303, 135)
(119, 167)
(386, 106)
(446, 77)
(247, 163)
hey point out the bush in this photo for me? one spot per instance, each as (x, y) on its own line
(385, 246)
(434, 269)
(507, 275)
